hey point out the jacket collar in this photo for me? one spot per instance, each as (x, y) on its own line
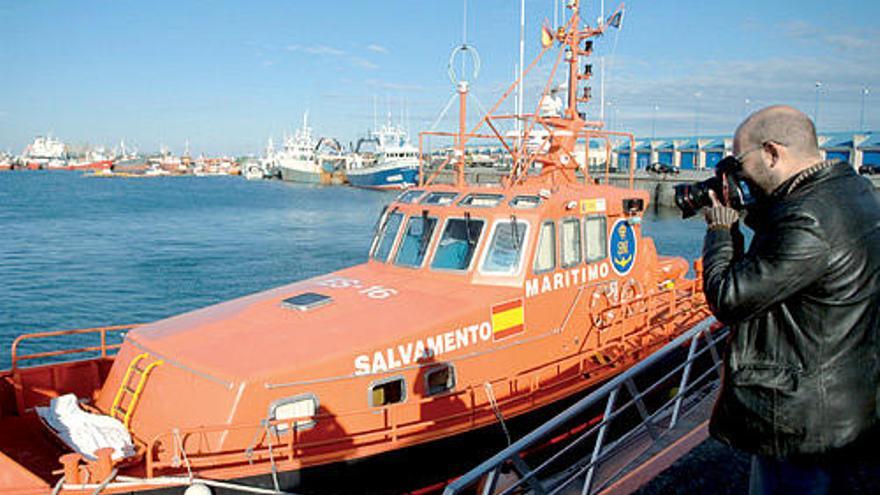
(809, 175)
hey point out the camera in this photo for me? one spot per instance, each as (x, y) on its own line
(729, 189)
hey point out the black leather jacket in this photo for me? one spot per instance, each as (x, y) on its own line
(801, 374)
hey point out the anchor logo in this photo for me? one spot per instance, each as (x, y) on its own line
(622, 246)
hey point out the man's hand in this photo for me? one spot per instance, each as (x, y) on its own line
(719, 216)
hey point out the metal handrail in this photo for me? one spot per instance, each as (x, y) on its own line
(104, 348)
(489, 471)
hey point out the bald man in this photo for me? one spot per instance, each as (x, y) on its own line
(800, 383)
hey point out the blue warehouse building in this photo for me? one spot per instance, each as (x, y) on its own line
(704, 152)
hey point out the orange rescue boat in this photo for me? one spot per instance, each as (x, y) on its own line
(478, 305)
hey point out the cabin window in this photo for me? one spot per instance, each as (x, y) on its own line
(439, 379)
(410, 196)
(298, 411)
(458, 244)
(387, 235)
(481, 200)
(389, 391)
(415, 242)
(594, 235)
(439, 198)
(505, 250)
(570, 242)
(545, 255)
(525, 202)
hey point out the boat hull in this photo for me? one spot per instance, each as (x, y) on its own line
(301, 176)
(422, 468)
(98, 165)
(383, 177)
(428, 467)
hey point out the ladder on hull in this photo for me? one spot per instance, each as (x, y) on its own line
(127, 396)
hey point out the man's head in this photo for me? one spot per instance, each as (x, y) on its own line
(775, 143)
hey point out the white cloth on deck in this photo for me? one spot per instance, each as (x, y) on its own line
(85, 432)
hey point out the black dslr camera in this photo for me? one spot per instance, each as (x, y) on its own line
(729, 188)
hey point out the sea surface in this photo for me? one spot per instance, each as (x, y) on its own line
(82, 252)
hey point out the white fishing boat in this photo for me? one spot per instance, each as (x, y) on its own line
(297, 160)
(44, 152)
(252, 169)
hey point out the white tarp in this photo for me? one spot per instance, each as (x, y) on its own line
(85, 432)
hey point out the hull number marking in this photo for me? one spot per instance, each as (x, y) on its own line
(373, 292)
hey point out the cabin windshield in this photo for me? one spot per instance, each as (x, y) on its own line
(481, 200)
(525, 202)
(415, 241)
(458, 244)
(439, 198)
(410, 196)
(594, 233)
(386, 236)
(505, 250)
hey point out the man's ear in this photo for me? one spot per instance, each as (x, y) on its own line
(772, 149)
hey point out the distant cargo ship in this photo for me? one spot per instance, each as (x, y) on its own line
(44, 152)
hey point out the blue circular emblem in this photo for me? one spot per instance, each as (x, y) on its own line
(622, 246)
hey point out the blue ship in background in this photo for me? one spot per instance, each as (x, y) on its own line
(393, 164)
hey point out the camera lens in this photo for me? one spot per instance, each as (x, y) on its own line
(691, 197)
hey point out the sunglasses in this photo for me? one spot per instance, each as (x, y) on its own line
(739, 158)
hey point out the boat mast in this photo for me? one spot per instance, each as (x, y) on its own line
(519, 100)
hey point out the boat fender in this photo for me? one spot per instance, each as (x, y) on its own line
(197, 489)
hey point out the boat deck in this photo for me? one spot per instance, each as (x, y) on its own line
(28, 455)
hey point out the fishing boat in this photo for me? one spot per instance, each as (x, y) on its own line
(479, 305)
(45, 152)
(394, 164)
(252, 169)
(5, 161)
(297, 160)
(93, 159)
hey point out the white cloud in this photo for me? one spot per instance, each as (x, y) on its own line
(377, 48)
(329, 51)
(363, 63)
(730, 88)
(393, 86)
(799, 29)
(850, 42)
(316, 50)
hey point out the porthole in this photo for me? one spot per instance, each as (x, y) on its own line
(387, 392)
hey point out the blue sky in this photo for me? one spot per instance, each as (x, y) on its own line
(226, 75)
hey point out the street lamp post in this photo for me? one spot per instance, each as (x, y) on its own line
(865, 92)
(816, 105)
(697, 96)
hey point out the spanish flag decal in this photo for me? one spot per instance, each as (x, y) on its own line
(507, 319)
